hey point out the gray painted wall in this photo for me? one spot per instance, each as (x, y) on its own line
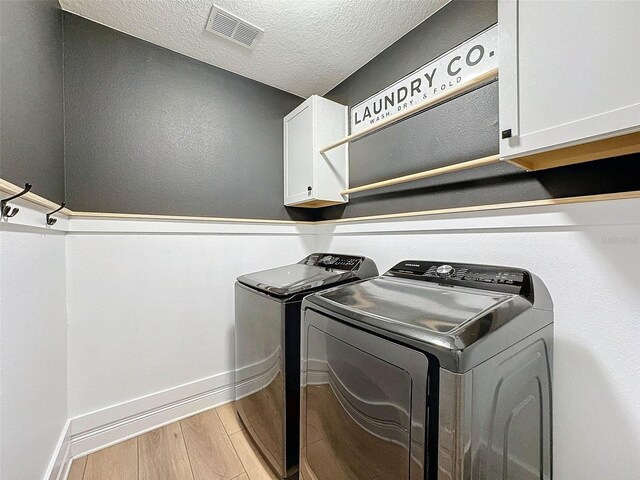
(31, 98)
(151, 131)
(463, 129)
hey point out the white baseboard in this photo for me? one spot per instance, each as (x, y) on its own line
(60, 460)
(102, 428)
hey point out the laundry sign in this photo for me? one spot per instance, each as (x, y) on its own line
(468, 60)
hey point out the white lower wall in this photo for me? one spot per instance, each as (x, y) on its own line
(151, 306)
(589, 257)
(33, 349)
(150, 319)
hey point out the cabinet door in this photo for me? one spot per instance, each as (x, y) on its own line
(568, 72)
(299, 154)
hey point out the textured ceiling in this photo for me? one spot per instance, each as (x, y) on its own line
(309, 46)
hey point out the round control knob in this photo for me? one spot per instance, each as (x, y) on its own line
(445, 271)
(327, 260)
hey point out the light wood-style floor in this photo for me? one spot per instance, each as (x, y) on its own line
(212, 445)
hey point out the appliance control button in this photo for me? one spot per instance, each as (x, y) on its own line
(445, 270)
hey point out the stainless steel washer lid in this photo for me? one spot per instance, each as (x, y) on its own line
(293, 279)
(461, 326)
(424, 312)
(316, 271)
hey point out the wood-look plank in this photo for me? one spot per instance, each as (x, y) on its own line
(163, 454)
(77, 469)
(254, 465)
(229, 417)
(211, 453)
(119, 462)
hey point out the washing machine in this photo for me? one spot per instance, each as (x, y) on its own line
(267, 348)
(434, 370)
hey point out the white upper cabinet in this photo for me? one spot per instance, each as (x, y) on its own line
(312, 179)
(569, 73)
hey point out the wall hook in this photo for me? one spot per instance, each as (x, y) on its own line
(52, 221)
(7, 210)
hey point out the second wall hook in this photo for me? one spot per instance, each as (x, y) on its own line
(6, 210)
(52, 221)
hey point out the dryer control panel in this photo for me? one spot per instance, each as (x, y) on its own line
(487, 277)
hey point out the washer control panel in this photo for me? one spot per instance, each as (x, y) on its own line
(488, 277)
(335, 261)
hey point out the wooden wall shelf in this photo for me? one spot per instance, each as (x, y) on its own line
(9, 187)
(585, 152)
(435, 100)
(12, 189)
(457, 167)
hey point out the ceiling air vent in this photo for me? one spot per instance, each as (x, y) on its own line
(233, 28)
